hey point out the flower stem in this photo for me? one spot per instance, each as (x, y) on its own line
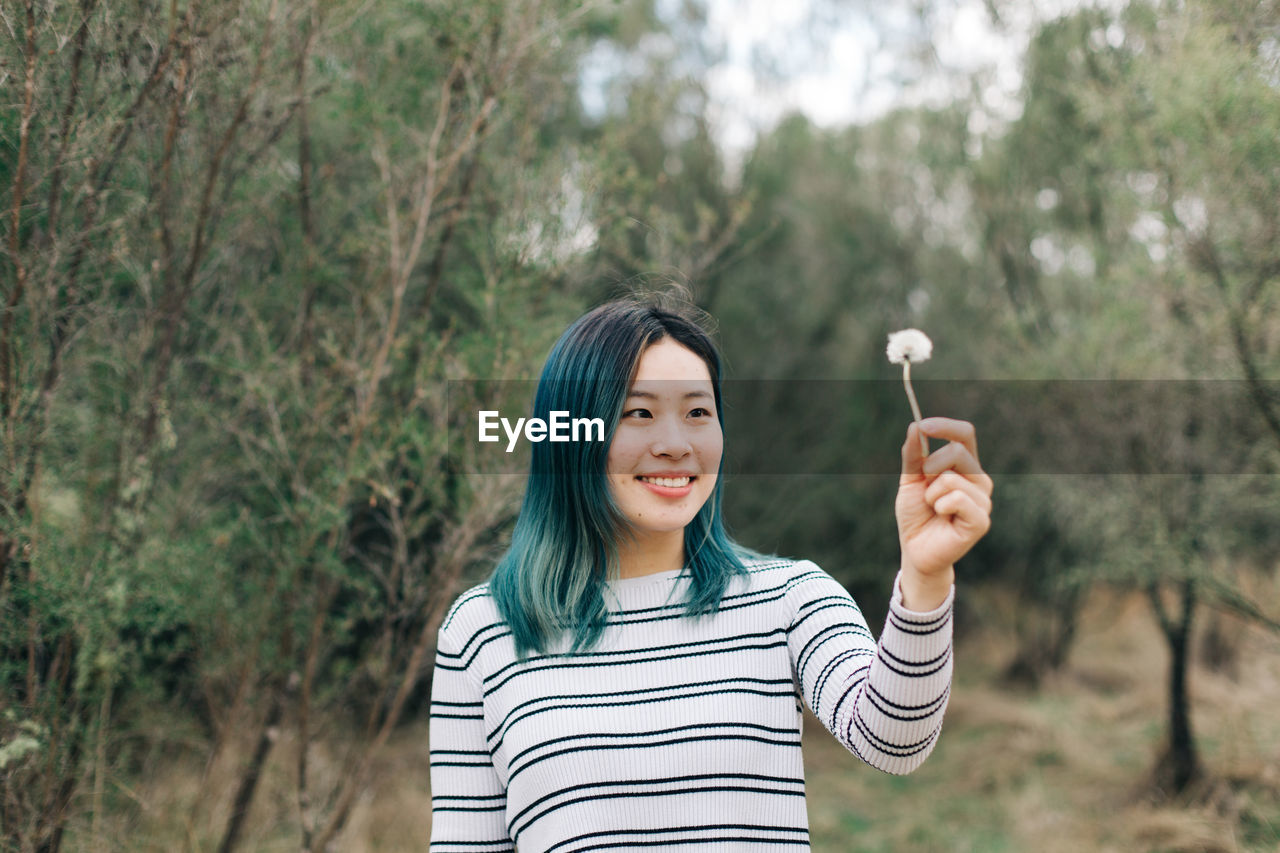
(915, 408)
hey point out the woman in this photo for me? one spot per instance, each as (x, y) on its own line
(630, 677)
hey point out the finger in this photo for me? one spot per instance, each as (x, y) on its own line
(950, 481)
(968, 518)
(912, 458)
(952, 429)
(956, 457)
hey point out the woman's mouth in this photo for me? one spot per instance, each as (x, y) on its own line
(669, 482)
(668, 487)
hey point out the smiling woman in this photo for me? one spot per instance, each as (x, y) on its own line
(630, 677)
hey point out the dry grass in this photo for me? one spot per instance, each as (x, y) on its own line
(1061, 769)
(183, 807)
(1066, 768)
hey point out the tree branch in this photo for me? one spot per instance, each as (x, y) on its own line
(173, 312)
(15, 227)
(458, 549)
(1205, 254)
(87, 8)
(304, 190)
(1157, 604)
(1234, 601)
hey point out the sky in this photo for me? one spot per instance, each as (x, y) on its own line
(839, 63)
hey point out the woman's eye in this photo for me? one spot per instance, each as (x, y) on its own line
(636, 413)
(700, 413)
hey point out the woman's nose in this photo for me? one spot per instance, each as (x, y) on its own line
(671, 441)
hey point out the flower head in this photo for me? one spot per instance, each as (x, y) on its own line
(909, 345)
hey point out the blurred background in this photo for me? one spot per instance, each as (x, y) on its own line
(261, 257)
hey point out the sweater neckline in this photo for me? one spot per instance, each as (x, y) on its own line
(644, 580)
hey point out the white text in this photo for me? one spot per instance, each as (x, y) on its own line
(560, 428)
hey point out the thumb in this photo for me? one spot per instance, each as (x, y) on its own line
(912, 458)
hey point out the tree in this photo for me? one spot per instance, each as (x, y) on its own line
(1138, 174)
(263, 262)
(246, 246)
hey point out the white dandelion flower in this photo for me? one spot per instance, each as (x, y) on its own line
(909, 345)
(905, 347)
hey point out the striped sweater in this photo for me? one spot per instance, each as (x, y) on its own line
(673, 732)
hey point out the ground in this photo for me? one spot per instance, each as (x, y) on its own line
(1067, 767)
(1062, 768)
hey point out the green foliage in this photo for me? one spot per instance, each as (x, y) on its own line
(262, 241)
(264, 257)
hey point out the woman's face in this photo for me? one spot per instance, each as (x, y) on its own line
(666, 451)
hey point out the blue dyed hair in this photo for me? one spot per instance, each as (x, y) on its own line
(565, 543)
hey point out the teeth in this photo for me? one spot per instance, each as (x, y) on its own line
(669, 482)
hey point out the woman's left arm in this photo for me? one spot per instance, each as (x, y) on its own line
(885, 700)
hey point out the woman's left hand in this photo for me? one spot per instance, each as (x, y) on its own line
(943, 508)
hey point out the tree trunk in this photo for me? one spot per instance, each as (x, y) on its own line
(1179, 766)
(253, 773)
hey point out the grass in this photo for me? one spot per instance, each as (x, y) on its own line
(1060, 769)
(1066, 768)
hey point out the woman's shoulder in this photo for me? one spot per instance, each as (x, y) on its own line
(795, 583)
(472, 612)
(773, 571)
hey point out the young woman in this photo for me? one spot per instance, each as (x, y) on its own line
(630, 678)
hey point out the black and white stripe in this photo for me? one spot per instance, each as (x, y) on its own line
(674, 731)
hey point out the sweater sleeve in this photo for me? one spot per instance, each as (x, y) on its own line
(884, 701)
(468, 800)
